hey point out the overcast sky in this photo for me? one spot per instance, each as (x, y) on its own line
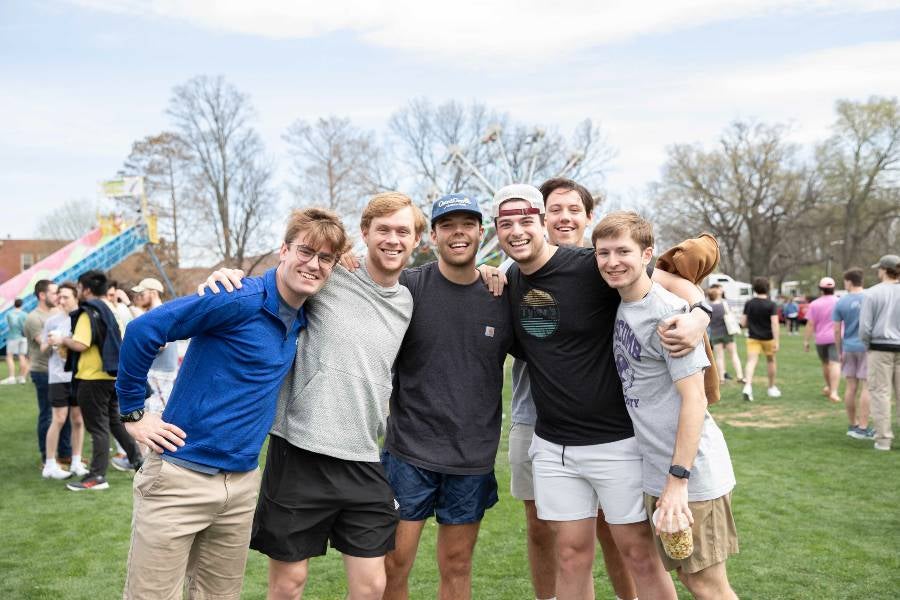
(82, 79)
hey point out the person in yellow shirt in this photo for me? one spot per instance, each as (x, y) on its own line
(94, 359)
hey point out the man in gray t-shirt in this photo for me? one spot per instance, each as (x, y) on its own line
(687, 470)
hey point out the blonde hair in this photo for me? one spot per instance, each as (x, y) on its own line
(320, 226)
(386, 203)
(624, 221)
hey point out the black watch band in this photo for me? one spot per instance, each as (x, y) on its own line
(679, 472)
(135, 415)
(702, 305)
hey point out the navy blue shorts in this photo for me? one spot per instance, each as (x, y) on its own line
(452, 499)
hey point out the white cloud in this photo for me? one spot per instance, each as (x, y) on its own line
(511, 31)
(644, 110)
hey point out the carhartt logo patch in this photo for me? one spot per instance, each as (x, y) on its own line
(489, 331)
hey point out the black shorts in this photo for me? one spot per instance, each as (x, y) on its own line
(61, 395)
(308, 499)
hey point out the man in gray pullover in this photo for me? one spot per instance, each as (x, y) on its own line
(879, 331)
(323, 481)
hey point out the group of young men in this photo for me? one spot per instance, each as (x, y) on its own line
(865, 347)
(849, 332)
(330, 359)
(73, 338)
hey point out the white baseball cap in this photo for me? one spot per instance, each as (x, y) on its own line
(518, 191)
(148, 284)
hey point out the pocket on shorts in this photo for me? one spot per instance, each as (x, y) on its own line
(148, 477)
(533, 447)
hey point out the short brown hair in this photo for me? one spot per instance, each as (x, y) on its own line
(854, 275)
(69, 285)
(761, 285)
(320, 226)
(624, 221)
(562, 183)
(387, 203)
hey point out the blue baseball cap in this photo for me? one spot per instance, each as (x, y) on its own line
(452, 203)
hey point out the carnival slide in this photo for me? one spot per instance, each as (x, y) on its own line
(100, 249)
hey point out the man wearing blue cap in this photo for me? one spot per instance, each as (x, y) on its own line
(444, 425)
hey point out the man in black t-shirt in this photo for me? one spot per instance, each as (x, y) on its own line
(445, 413)
(761, 320)
(584, 452)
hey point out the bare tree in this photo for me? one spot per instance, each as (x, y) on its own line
(162, 160)
(860, 169)
(748, 192)
(431, 139)
(424, 133)
(335, 164)
(70, 221)
(230, 180)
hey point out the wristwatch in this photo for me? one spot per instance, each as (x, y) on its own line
(679, 472)
(704, 306)
(133, 416)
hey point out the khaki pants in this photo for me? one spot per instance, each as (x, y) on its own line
(884, 378)
(189, 531)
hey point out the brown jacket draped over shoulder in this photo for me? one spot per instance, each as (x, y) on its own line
(693, 260)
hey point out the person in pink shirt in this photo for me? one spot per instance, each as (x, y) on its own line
(818, 323)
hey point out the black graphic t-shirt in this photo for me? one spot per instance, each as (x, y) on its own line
(564, 315)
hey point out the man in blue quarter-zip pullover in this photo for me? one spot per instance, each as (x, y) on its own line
(195, 495)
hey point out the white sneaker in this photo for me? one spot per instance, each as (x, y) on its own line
(54, 472)
(79, 469)
(748, 392)
(7, 381)
(882, 447)
(20, 379)
(774, 392)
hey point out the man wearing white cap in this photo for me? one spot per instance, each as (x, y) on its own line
(584, 451)
(818, 323)
(164, 369)
(879, 331)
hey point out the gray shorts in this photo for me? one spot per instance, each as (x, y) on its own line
(521, 478)
(17, 346)
(854, 365)
(827, 352)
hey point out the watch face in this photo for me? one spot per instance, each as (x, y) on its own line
(679, 471)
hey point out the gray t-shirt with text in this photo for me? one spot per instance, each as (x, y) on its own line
(648, 375)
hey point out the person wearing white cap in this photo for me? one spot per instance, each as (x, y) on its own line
(879, 331)
(164, 369)
(819, 325)
(584, 451)
(569, 208)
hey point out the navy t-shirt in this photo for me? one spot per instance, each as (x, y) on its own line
(448, 379)
(564, 315)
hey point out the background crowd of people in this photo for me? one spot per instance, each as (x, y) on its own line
(848, 330)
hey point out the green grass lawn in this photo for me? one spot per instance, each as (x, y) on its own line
(818, 513)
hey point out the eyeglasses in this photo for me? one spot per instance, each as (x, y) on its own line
(305, 254)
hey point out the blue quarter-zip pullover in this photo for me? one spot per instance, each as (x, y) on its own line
(225, 394)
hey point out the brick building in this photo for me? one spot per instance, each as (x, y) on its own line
(19, 255)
